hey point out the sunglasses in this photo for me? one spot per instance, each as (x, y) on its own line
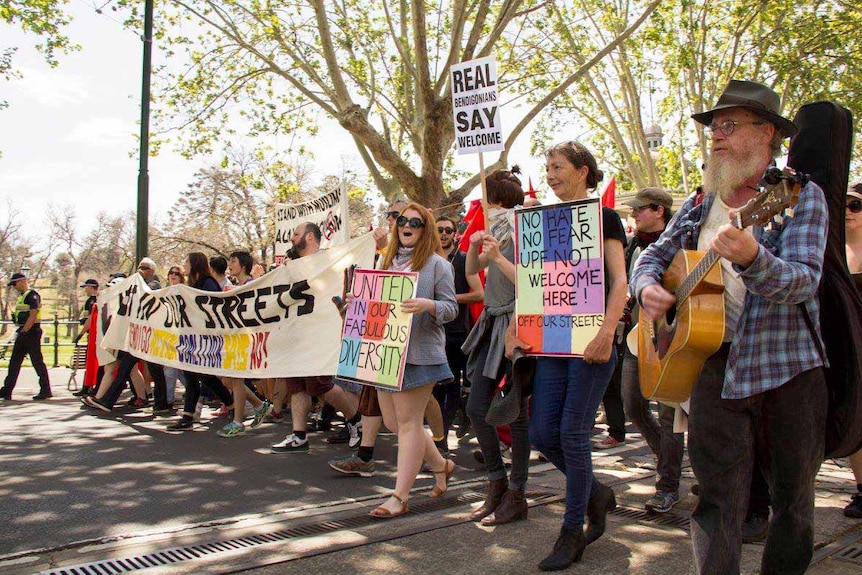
(653, 207)
(146, 268)
(442, 230)
(414, 223)
(173, 273)
(855, 206)
(393, 214)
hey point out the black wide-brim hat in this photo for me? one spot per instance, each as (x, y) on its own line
(751, 96)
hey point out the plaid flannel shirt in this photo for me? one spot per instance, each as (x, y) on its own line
(773, 342)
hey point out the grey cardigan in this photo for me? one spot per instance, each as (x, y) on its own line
(427, 337)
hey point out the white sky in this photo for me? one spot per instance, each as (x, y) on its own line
(69, 134)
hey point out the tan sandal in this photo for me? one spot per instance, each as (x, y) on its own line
(383, 513)
(448, 471)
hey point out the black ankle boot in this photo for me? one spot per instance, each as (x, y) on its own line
(597, 510)
(567, 550)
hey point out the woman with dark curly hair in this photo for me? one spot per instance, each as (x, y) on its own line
(484, 347)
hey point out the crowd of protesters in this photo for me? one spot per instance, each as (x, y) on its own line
(450, 353)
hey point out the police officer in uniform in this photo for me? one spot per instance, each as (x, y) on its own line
(27, 316)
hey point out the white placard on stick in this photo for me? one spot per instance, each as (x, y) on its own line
(329, 212)
(475, 106)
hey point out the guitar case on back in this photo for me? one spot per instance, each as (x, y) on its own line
(822, 149)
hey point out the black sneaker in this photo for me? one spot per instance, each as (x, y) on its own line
(42, 396)
(854, 509)
(181, 425)
(340, 436)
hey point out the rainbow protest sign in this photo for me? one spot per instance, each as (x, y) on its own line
(560, 303)
(376, 332)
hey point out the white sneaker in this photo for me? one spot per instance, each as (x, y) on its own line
(291, 444)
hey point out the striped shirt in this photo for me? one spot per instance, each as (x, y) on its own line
(772, 343)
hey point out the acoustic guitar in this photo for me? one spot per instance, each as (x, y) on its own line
(673, 348)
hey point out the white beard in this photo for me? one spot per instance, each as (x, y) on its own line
(724, 175)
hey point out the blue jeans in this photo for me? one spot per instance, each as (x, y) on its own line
(566, 394)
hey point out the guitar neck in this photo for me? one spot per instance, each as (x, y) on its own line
(702, 268)
(696, 275)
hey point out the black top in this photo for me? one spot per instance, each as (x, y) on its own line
(87, 309)
(612, 229)
(207, 284)
(460, 324)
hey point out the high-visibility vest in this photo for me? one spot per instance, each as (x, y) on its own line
(23, 309)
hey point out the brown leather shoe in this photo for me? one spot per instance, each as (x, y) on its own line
(493, 495)
(513, 507)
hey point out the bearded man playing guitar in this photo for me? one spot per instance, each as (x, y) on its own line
(763, 389)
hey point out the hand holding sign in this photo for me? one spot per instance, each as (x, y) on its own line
(418, 305)
(342, 302)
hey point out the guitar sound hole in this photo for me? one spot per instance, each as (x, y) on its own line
(670, 316)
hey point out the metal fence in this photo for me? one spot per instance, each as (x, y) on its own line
(49, 340)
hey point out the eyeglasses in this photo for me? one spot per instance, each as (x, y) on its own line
(145, 268)
(393, 214)
(855, 206)
(444, 230)
(414, 223)
(727, 127)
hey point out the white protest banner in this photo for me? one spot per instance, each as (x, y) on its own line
(106, 303)
(329, 212)
(560, 302)
(376, 331)
(283, 324)
(475, 108)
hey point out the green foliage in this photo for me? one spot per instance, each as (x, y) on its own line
(43, 18)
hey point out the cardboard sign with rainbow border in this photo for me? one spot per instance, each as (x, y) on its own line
(560, 303)
(376, 332)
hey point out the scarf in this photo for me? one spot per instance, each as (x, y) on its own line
(401, 261)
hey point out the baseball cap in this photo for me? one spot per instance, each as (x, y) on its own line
(91, 283)
(649, 196)
(855, 190)
(17, 276)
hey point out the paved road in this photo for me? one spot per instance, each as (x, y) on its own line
(88, 487)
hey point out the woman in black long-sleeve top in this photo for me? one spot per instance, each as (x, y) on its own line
(197, 271)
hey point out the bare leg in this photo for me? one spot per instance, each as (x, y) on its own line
(300, 405)
(370, 428)
(402, 413)
(139, 383)
(107, 378)
(856, 466)
(279, 393)
(337, 398)
(434, 417)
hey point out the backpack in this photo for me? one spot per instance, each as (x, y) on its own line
(822, 149)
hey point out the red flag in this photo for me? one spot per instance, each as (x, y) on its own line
(609, 196)
(475, 219)
(531, 193)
